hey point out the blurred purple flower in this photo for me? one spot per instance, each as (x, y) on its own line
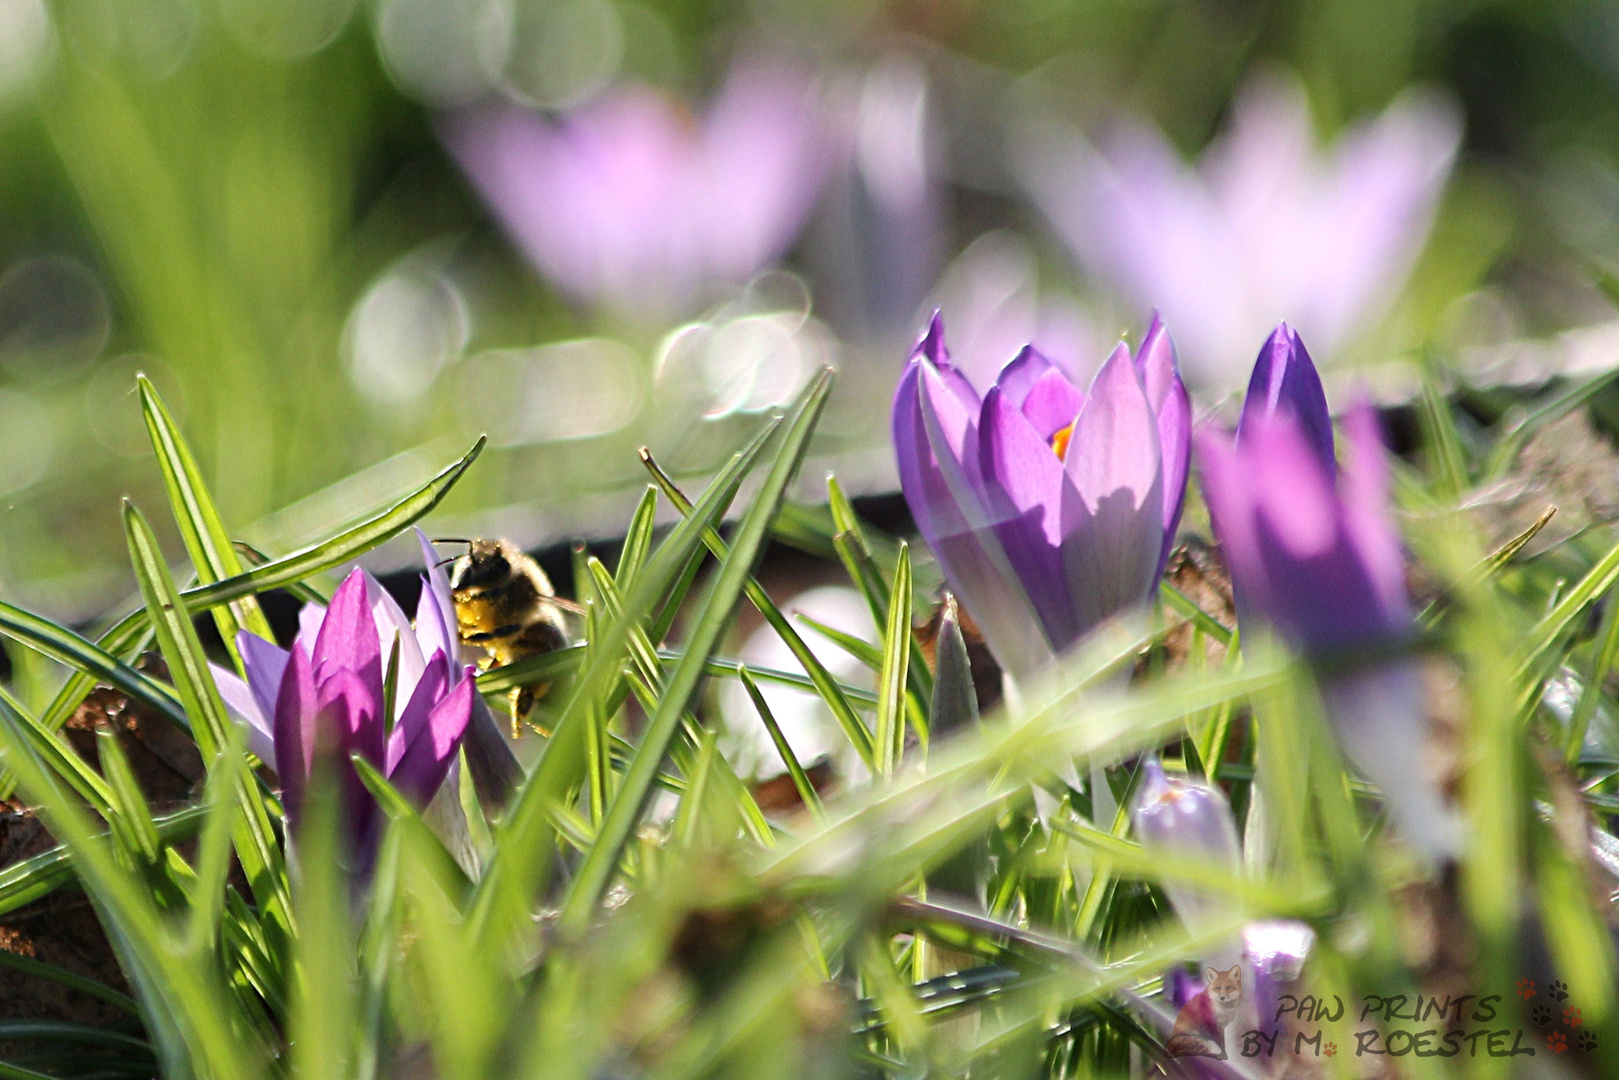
(326, 694)
(1181, 817)
(1266, 226)
(1275, 950)
(629, 203)
(1048, 507)
(1317, 556)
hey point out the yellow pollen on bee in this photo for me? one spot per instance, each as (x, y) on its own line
(1059, 441)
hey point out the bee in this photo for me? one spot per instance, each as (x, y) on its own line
(505, 605)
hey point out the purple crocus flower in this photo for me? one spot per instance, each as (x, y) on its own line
(327, 694)
(1049, 508)
(629, 203)
(1267, 224)
(1181, 817)
(1316, 555)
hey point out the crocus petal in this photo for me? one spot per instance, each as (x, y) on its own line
(243, 707)
(1023, 482)
(1160, 377)
(354, 715)
(1285, 380)
(264, 663)
(392, 625)
(1275, 950)
(1321, 593)
(932, 349)
(310, 618)
(348, 636)
(348, 722)
(413, 716)
(933, 435)
(1022, 372)
(1052, 404)
(435, 611)
(296, 708)
(428, 754)
(1370, 527)
(1184, 818)
(1112, 509)
(1230, 500)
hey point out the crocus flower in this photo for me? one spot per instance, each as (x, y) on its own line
(1181, 817)
(1186, 818)
(1049, 508)
(629, 203)
(1316, 555)
(329, 693)
(1267, 225)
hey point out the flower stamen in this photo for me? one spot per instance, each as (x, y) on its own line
(1059, 441)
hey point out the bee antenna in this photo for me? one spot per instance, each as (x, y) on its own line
(442, 562)
(450, 540)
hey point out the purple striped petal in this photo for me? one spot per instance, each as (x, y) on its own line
(264, 663)
(1052, 404)
(435, 611)
(296, 708)
(1160, 377)
(242, 705)
(932, 349)
(310, 618)
(1023, 485)
(946, 504)
(428, 754)
(392, 625)
(1112, 510)
(348, 637)
(1022, 372)
(413, 717)
(348, 722)
(1285, 381)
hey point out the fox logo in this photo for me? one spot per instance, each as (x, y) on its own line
(1200, 1027)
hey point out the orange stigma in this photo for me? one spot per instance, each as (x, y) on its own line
(1059, 441)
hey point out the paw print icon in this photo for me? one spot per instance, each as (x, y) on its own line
(1556, 1042)
(1332, 1048)
(1541, 1014)
(1558, 990)
(1526, 988)
(1587, 1041)
(1572, 1017)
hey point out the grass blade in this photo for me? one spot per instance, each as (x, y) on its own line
(735, 571)
(891, 677)
(825, 685)
(255, 839)
(206, 539)
(356, 540)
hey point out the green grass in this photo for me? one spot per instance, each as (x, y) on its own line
(955, 914)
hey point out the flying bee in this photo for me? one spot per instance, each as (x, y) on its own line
(505, 605)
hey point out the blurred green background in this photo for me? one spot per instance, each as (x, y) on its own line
(251, 201)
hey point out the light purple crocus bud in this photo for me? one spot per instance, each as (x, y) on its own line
(1320, 560)
(630, 203)
(1179, 817)
(328, 694)
(1049, 508)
